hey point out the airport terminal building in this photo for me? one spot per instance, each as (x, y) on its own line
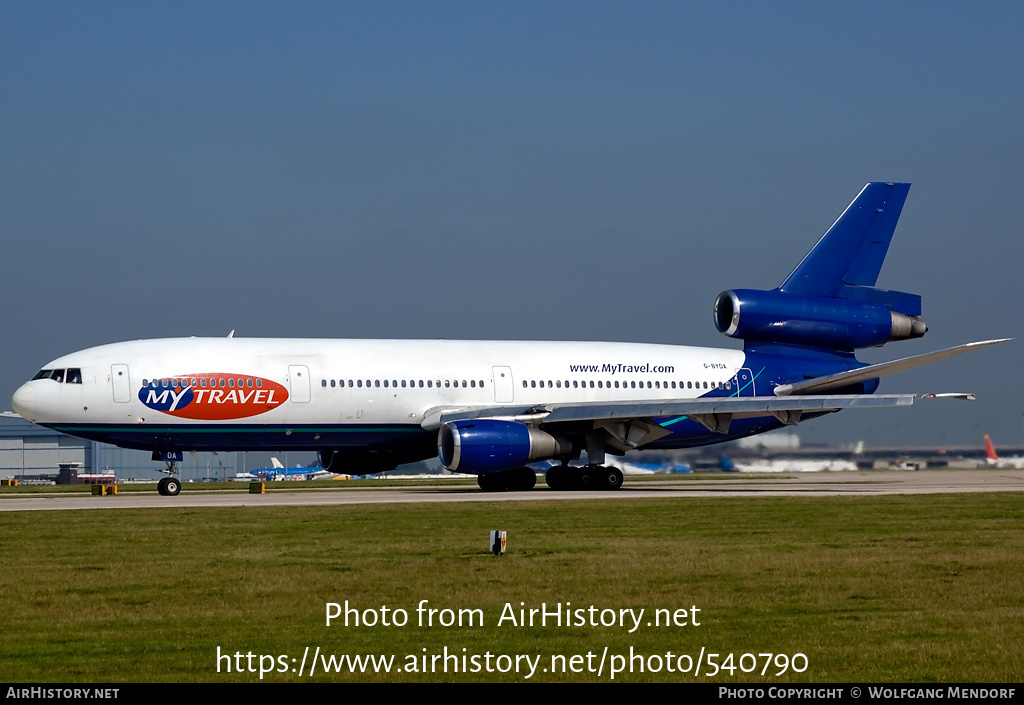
(31, 452)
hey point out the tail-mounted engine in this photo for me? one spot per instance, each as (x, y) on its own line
(817, 321)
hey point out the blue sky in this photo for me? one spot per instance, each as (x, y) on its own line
(573, 170)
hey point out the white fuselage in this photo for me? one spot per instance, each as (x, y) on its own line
(240, 394)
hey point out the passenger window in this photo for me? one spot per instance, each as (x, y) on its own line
(360, 383)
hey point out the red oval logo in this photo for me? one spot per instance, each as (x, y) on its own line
(216, 396)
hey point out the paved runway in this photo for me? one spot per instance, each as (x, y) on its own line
(823, 484)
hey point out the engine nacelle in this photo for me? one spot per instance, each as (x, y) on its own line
(483, 446)
(817, 321)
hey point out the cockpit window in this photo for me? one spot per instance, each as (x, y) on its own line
(43, 374)
(74, 376)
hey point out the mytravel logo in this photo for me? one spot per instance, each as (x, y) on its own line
(212, 396)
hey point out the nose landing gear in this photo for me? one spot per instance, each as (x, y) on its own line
(170, 486)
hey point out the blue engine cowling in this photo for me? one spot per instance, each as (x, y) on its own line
(482, 446)
(817, 321)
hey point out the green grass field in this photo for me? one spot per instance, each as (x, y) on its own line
(917, 588)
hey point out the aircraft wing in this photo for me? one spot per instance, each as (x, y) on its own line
(715, 412)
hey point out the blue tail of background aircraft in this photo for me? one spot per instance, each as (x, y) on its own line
(829, 304)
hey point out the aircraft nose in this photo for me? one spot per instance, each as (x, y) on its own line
(24, 401)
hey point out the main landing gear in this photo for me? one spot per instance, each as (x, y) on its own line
(588, 477)
(170, 486)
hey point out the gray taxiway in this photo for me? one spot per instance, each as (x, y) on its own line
(822, 484)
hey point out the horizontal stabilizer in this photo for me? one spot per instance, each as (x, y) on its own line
(843, 379)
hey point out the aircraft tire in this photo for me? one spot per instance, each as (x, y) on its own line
(585, 478)
(612, 478)
(490, 483)
(556, 478)
(525, 479)
(172, 486)
(161, 487)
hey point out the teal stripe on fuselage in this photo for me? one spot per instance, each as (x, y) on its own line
(666, 424)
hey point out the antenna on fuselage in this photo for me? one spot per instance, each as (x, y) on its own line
(232, 333)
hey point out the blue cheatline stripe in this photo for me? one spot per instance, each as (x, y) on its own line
(665, 424)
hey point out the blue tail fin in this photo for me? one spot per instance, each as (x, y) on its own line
(830, 302)
(846, 261)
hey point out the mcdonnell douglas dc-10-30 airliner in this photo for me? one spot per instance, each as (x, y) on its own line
(489, 408)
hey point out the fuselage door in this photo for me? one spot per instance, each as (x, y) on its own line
(120, 383)
(504, 392)
(745, 379)
(298, 379)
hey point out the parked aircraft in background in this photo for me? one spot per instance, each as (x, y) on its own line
(786, 465)
(994, 460)
(668, 467)
(278, 471)
(489, 408)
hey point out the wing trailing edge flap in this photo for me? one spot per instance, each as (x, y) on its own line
(862, 374)
(714, 412)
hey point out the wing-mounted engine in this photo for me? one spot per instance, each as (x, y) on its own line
(483, 446)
